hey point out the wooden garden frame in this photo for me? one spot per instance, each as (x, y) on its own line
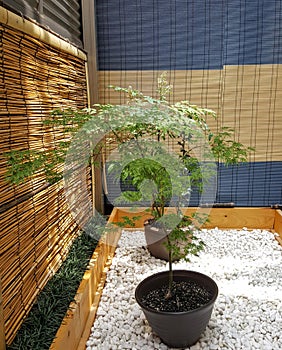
(76, 326)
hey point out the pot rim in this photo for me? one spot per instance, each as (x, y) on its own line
(211, 302)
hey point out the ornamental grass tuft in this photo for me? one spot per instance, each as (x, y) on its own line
(40, 326)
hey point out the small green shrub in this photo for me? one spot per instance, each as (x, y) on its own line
(41, 325)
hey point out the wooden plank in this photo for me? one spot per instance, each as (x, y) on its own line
(90, 46)
(278, 224)
(251, 218)
(218, 217)
(93, 308)
(2, 328)
(279, 240)
(130, 213)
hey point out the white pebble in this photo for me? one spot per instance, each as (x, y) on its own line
(248, 312)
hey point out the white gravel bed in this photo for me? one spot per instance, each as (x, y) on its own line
(246, 265)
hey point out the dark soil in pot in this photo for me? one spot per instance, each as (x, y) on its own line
(186, 296)
(178, 328)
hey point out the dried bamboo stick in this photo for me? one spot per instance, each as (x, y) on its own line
(11, 19)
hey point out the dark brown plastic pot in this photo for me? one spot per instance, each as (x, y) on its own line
(155, 238)
(178, 329)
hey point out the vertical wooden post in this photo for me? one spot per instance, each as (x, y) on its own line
(89, 40)
(2, 329)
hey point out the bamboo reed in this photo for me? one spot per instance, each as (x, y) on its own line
(36, 226)
(11, 19)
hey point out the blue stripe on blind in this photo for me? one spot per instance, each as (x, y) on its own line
(187, 35)
(254, 184)
(159, 34)
(253, 32)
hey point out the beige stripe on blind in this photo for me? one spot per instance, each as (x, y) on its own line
(246, 98)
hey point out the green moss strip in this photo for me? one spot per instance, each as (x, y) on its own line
(41, 325)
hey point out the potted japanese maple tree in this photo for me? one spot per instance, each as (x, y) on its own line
(178, 303)
(162, 174)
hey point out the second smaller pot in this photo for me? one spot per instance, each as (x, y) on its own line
(155, 239)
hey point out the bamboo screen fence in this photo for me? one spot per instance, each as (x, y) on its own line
(36, 226)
